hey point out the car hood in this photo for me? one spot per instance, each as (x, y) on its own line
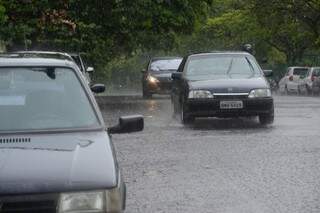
(56, 163)
(229, 85)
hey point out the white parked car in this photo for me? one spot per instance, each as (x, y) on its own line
(293, 77)
(307, 85)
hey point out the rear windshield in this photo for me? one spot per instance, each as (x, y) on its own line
(43, 98)
(165, 64)
(300, 71)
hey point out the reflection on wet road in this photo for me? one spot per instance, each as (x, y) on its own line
(220, 165)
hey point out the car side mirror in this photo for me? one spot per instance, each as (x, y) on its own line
(98, 88)
(128, 124)
(90, 69)
(176, 75)
(268, 73)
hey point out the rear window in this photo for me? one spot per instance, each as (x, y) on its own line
(165, 64)
(300, 71)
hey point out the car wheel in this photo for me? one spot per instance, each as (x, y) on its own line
(286, 91)
(309, 91)
(174, 107)
(266, 119)
(146, 94)
(299, 92)
(184, 116)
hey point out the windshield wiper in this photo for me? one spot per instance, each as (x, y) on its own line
(229, 68)
(250, 64)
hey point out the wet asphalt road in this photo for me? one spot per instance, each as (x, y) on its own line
(220, 165)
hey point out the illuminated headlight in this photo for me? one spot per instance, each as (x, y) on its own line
(152, 79)
(82, 202)
(260, 93)
(200, 94)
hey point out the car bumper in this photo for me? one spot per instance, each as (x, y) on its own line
(211, 108)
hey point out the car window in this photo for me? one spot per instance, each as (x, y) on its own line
(221, 67)
(316, 72)
(165, 65)
(300, 71)
(43, 98)
(78, 62)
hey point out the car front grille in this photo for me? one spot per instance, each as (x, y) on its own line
(28, 204)
(230, 97)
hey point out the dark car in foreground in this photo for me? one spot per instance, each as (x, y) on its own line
(56, 154)
(221, 84)
(156, 78)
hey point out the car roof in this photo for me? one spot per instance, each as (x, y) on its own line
(220, 53)
(165, 58)
(299, 67)
(41, 52)
(73, 54)
(21, 62)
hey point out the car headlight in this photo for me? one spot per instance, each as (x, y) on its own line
(93, 202)
(260, 93)
(152, 79)
(82, 202)
(200, 94)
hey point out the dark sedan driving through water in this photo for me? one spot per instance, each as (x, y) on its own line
(156, 78)
(222, 84)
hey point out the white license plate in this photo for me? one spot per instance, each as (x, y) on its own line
(231, 104)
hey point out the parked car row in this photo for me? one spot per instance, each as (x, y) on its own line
(301, 80)
(216, 84)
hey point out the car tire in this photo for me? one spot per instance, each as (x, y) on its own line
(146, 94)
(266, 119)
(309, 91)
(286, 91)
(184, 116)
(174, 107)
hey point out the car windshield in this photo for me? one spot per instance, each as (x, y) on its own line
(165, 64)
(203, 67)
(43, 98)
(300, 71)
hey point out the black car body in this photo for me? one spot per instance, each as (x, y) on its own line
(56, 154)
(156, 78)
(221, 84)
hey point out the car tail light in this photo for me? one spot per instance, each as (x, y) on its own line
(291, 78)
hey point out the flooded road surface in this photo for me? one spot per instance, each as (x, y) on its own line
(220, 165)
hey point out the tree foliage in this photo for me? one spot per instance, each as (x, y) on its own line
(114, 33)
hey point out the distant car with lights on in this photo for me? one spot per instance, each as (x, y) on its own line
(156, 78)
(222, 84)
(56, 152)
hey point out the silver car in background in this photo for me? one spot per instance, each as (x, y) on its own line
(309, 85)
(292, 79)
